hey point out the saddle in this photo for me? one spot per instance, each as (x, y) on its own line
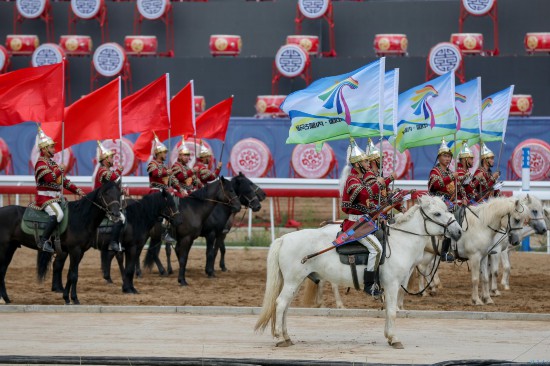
(104, 230)
(35, 221)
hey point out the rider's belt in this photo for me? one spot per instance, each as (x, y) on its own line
(354, 217)
(49, 193)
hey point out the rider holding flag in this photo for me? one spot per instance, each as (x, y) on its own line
(466, 192)
(484, 179)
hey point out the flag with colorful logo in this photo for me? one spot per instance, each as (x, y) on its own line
(391, 91)
(468, 115)
(336, 107)
(426, 111)
(494, 115)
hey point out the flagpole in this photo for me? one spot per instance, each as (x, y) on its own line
(169, 124)
(193, 117)
(121, 159)
(456, 167)
(63, 127)
(502, 143)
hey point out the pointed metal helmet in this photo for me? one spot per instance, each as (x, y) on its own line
(372, 151)
(465, 151)
(204, 151)
(103, 152)
(43, 140)
(355, 153)
(158, 146)
(183, 149)
(443, 149)
(486, 152)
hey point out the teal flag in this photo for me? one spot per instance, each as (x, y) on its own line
(494, 115)
(425, 112)
(336, 107)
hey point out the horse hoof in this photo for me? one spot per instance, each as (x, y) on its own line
(397, 345)
(57, 290)
(108, 281)
(170, 272)
(224, 269)
(183, 283)
(76, 302)
(285, 343)
(134, 291)
(507, 288)
(127, 291)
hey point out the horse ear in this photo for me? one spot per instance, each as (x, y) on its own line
(518, 204)
(528, 199)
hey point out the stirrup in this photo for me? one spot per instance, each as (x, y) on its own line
(167, 239)
(374, 291)
(116, 247)
(45, 246)
(447, 257)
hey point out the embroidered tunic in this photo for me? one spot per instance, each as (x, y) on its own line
(483, 183)
(47, 175)
(182, 172)
(466, 191)
(159, 178)
(105, 175)
(441, 183)
(204, 174)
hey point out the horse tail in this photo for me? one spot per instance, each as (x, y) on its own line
(273, 287)
(43, 260)
(310, 298)
(151, 254)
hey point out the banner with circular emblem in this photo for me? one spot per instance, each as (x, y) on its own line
(68, 157)
(444, 57)
(252, 157)
(309, 163)
(125, 157)
(540, 158)
(400, 165)
(478, 7)
(47, 54)
(86, 9)
(31, 9)
(109, 59)
(291, 60)
(152, 9)
(313, 9)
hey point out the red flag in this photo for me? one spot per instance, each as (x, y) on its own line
(212, 123)
(181, 116)
(32, 94)
(146, 109)
(92, 117)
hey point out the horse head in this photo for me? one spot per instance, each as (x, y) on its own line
(437, 219)
(108, 197)
(259, 192)
(515, 220)
(224, 193)
(536, 213)
(170, 209)
(247, 195)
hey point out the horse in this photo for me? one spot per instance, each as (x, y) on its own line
(84, 216)
(481, 225)
(502, 255)
(141, 215)
(215, 228)
(285, 271)
(195, 208)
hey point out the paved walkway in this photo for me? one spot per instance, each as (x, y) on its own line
(319, 334)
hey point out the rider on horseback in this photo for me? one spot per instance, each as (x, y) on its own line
(359, 198)
(49, 183)
(183, 173)
(441, 183)
(106, 174)
(201, 166)
(484, 179)
(466, 188)
(161, 178)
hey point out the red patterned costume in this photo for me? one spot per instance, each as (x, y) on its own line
(47, 175)
(160, 177)
(483, 183)
(441, 182)
(466, 190)
(105, 175)
(183, 173)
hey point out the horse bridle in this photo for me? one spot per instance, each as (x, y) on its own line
(229, 199)
(171, 213)
(428, 218)
(110, 215)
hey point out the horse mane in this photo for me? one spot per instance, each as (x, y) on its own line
(84, 205)
(405, 217)
(495, 207)
(202, 193)
(146, 209)
(343, 178)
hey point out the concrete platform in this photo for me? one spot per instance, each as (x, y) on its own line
(202, 335)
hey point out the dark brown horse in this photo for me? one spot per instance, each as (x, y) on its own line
(85, 215)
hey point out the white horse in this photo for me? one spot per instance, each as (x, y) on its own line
(502, 250)
(285, 272)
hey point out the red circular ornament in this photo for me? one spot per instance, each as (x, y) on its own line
(308, 163)
(402, 160)
(252, 157)
(540, 158)
(124, 157)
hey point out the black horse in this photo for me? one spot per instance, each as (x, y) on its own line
(85, 215)
(215, 227)
(195, 209)
(141, 216)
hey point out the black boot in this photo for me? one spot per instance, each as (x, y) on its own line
(45, 244)
(445, 255)
(114, 244)
(370, 287)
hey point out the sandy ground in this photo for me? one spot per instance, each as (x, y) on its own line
(243, 285)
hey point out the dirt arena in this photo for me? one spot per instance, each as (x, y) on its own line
(243, 285)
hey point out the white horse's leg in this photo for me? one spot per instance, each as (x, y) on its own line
(484, 273)
(506, 267)
(283, 302)
(494, 261)
(475, 262)
(319, 295)
(337, 297)
(390, 293)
